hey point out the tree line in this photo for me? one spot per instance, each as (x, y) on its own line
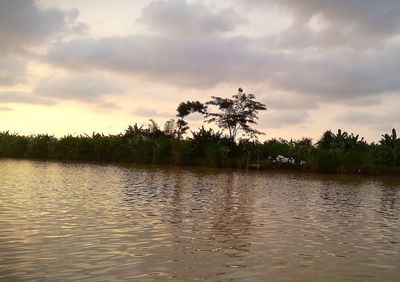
(234, 145)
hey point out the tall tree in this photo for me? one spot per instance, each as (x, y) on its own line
(236, 114)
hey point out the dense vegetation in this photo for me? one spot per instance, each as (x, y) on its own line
(334, 153)
(339, 152)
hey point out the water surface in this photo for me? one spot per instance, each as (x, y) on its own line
(82, 222)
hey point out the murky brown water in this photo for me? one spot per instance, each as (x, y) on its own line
(80, 222)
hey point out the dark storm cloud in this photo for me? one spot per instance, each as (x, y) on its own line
(182, 18)
(23, 23)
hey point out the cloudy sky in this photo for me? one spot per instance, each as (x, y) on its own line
(72, 66)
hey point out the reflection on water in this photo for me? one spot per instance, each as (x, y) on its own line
(103, 223)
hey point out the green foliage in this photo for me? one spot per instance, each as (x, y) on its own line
(339, 152)
(179, 153)
(333, 153)
(236, 114)
(387, 153)
(296, 149)
(342, 153)
(184, 109)
(341, 141)
(38, 146)
(13, 145)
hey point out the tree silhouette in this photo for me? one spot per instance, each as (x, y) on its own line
(184, 109)
(236, 114)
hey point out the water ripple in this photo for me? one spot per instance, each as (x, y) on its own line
(61, 222)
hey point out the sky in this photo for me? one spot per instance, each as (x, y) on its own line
(74, 67)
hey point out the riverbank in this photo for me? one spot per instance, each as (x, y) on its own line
(265, 168)
(339, 153)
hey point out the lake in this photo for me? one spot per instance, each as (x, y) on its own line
(88, 222)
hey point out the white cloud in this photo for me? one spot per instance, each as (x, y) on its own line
(388, 119)
(342, 53)
(150, 113)
(340, 23)
(12, 71)
(185, 62)
(338, 76)
(289, 101)
(5, 109)
(324, 75)
(284, 118)
(17, 97)
(77, 87)
(177, 17)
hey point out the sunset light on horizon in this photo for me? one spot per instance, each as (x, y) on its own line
(75, 67)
